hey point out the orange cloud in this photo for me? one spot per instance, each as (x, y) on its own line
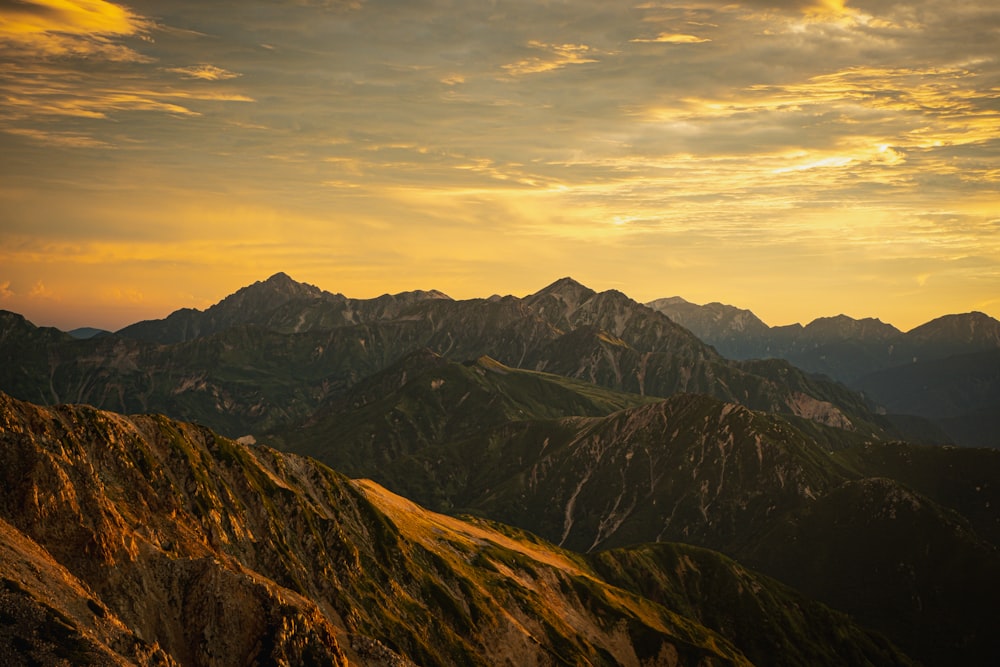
(61, 28)
(204, 72)
(672, 38)
(557, 57)
(65, 139)
(40, 291)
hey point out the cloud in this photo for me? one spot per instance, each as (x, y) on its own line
(805, 6)
(672, 38)
(204, 72)
(40, 291)
(64, 139)
(5, 291)
(59, 29)
(556, 56)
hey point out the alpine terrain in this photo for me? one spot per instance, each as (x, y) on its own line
(293, 476)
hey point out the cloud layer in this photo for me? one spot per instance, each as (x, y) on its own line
(796, 157)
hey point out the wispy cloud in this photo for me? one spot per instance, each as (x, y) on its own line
(64, 139)
(204, 72)
(552, 57)
(671, 38)
(59, 29)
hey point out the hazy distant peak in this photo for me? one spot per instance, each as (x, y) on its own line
(420, 294)
(712, 320)
(656, 304)
(843, 326)
(970, 327)
(86, 333)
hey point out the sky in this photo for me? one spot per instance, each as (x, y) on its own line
(800, 158)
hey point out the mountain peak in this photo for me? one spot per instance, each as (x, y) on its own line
(568, 291)
(668, 301)
(843, 327)
(280, 278)
(265, 295)
(279, 282)
(974, 327)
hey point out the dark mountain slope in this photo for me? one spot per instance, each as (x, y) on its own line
(686, 469)
(966, 480)
(953, 391)
(406, 427)
(26, 362)
(898, 562)
(727, 597)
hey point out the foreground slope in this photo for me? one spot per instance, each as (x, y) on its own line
(149, 541)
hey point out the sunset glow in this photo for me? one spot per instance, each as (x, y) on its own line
(800, 158)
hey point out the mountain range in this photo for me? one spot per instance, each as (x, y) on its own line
(947, 369)
(272, 352)
(659, 489)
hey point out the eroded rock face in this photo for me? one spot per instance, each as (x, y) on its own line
(163, 544)
(822, 412)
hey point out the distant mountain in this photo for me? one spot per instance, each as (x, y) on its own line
(278, 304)
(956, 334)
(734, 332)
(870, 355)
(140, 540)
(839, 346)
(85, 333)
(248, 305)
(271, 353)
(959, 392)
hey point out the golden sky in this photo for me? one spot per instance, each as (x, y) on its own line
(800, 158)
